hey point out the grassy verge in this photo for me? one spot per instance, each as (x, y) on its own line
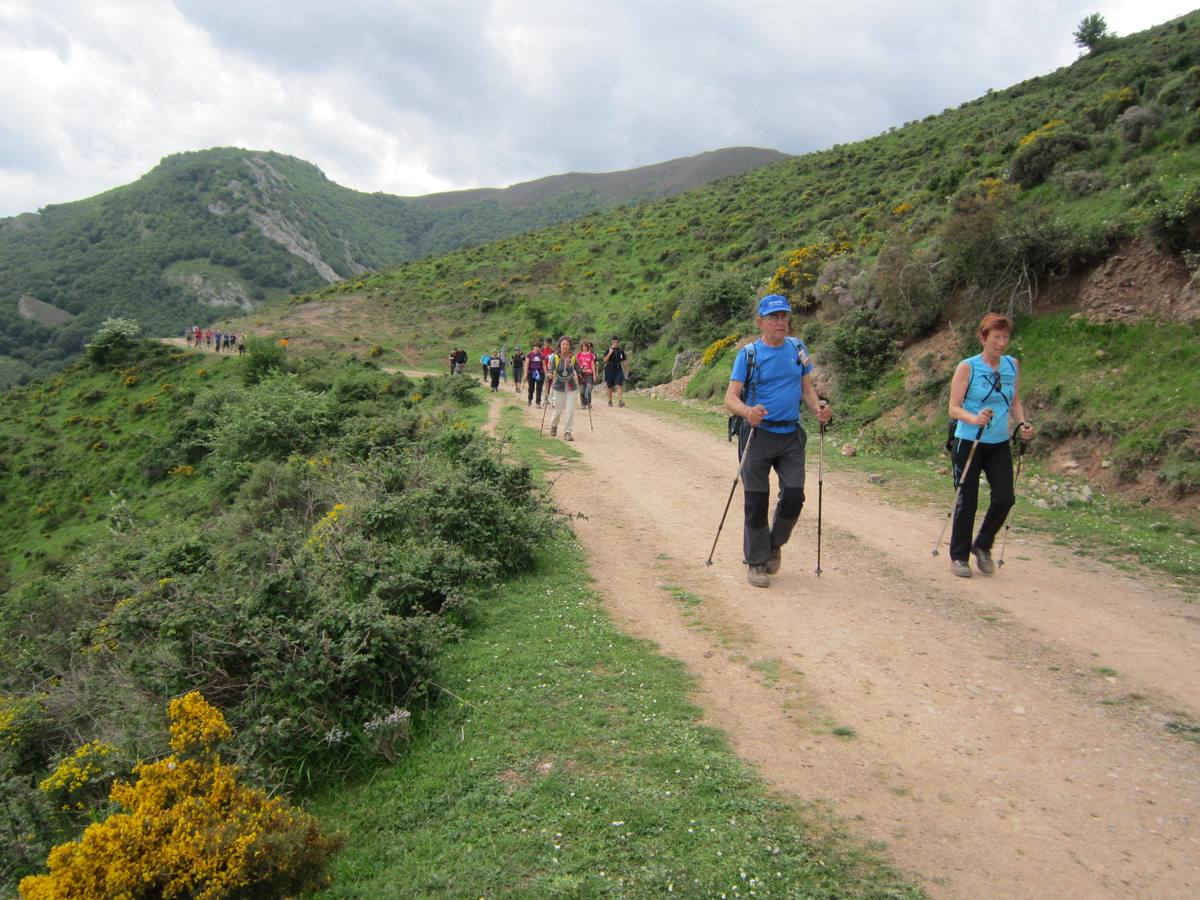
(566, 760)
(541, 453)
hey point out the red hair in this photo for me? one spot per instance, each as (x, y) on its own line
(994, 322)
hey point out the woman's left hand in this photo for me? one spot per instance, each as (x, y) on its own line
(1026, 431)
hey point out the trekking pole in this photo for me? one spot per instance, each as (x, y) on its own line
(820, 489)
(958, 489)
(736, 478)
(545, 403)
(591, 424)
(1020, 457)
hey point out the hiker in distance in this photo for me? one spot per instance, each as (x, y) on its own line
(984, 399)
(616, 368)
(770, 379)
(563, 387)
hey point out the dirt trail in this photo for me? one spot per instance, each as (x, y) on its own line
(1009, 733)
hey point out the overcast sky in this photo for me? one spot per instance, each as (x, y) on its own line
(416, 96)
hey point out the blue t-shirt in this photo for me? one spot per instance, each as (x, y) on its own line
(775, 382)
(985, 390)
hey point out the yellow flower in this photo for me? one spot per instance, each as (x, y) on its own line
(189, 828)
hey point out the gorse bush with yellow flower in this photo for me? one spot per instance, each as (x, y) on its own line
(798, 275)
(188, 827)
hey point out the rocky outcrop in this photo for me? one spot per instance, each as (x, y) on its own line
(212, 291)
(43, 313)
(275, 226)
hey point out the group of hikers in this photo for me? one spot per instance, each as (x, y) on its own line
(564, 375)
(208, 339)
(771, 380)
(770, 383)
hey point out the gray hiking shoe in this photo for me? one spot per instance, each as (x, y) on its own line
(757, 576)
(960, 567)
(983, 561)
(553, 430)
(620, 403)
(774, 561)
(567, 436)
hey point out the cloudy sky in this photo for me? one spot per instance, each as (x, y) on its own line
(415, 96)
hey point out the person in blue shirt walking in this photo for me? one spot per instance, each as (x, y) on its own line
(985, 400)
(770, 379)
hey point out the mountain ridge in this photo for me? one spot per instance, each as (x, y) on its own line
(227, 226)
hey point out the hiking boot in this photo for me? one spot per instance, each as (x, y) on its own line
(960, 567)
(567, 436)
(983, 561)
(774, 561)
(620, 403)
(757, 576)
(553, 430)
(610, 401)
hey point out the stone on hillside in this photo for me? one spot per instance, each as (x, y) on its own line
(875, 478)
(848, 450)
(683, 363)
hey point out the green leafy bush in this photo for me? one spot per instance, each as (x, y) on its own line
(707, 312)
(904, 280)
(1034, 162)
(271, 420)
(860, 348)
(263, 356)
(1175, 221)
(113, 341)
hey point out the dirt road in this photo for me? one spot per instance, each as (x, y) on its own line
(999, 737)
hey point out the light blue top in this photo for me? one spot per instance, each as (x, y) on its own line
(775, 381)
(985, 391)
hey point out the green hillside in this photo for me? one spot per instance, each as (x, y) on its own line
(231, 228)
(990, 205)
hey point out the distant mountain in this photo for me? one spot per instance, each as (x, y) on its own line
(227, 228)
(659, 180)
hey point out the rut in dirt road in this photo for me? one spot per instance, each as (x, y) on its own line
(1001, 737)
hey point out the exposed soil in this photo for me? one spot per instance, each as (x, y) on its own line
(1011, 736)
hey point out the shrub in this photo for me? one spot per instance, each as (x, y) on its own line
(1137, 123)
(1041, 152)
(705, 315)
(1175, 221)
(1081, 183)
(797, 277)
(860, 348)
(271, 420)
(189, 827)
(717, 347)
(909, 298)
(263, 356)
(113, 341)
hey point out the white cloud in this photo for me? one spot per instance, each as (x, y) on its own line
(411, 97)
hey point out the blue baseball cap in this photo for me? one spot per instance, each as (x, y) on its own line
(773, 303)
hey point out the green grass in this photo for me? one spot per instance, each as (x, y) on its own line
(573, 764)
(543, 453)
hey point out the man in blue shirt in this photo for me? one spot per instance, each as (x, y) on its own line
(770, 379)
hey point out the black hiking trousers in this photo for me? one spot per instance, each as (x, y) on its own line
(994, 461)
(535, 388)
(785, 454)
